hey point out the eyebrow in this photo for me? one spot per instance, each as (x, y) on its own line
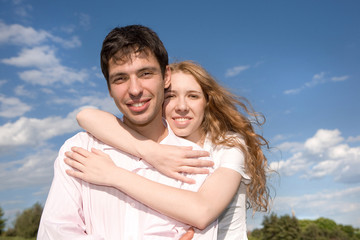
(191, 91)
(153, 69)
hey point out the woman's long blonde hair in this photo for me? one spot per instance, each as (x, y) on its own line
(223, 116)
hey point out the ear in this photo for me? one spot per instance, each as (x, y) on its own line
(167, 77)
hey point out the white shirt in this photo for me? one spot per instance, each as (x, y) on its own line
(79, 210)
(232, 222)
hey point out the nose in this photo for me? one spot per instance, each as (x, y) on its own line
(181, 104)
(135, 87)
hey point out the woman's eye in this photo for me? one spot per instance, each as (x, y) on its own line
(169, 96)
(193, 96)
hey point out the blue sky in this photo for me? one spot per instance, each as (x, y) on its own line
(296, 61)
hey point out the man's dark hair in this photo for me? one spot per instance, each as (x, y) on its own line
(121, 42)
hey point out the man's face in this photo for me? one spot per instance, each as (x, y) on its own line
(137, 87)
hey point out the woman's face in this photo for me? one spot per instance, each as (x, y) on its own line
(184, 106)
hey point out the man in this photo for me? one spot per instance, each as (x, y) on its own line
(134, 63)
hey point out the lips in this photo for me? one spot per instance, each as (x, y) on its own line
(138, 106)
(181, 122)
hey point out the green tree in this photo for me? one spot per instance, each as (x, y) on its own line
(256, 234)
(330, 229)
(289, 228)
(27, 223)
(283, 228)
(270, 227)
(2, 221)
(312, 231)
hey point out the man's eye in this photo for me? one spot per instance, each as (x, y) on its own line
(118, 80)
(146, 74)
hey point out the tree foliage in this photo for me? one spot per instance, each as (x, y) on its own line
(27, 223)
(2, 221)
(286, 227)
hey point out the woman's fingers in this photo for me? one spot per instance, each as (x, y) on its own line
(81, 151)
(74, 164)
(193, 170)
(197, 163)
(182, 178)
(196, 154)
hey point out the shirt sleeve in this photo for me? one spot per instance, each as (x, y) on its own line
(233, 158)
(63, 217)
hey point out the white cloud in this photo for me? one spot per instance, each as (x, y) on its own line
(57, 74)
(18, 34)
(340, 79)
(289, 167)
(32, 170)
(2, 82)
(319, 78)
(330, 204)
(21, 91)
(21, 9)
(324, 168)
(39, 57)
(293, 91)
(323, 139)
(12, 107)
(72, 43)
(290, 146)
(105, 103)
(354, 139)
(84, 20)
(28, 36)
(48, 69)
(236, 70)
(324, 154)
(32, 131)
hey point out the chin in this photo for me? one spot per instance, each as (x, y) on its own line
(180, 133)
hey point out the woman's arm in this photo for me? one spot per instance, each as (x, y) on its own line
(198, 209)
(169, 160)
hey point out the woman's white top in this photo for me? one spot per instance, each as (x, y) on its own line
(232, 222)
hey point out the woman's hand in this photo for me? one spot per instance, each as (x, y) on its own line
(94, 167)
(173, 161)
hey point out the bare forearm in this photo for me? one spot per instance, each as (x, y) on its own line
(113, 131)
(185, 206)
(198, 209)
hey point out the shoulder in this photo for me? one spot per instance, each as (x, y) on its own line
(80, 139)
(231, 157)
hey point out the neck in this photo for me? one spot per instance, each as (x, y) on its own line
(155, 130)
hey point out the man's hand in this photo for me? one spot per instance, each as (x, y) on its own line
(188, 235)
(173, 161)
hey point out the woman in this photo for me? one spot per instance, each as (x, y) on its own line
(200, 110)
